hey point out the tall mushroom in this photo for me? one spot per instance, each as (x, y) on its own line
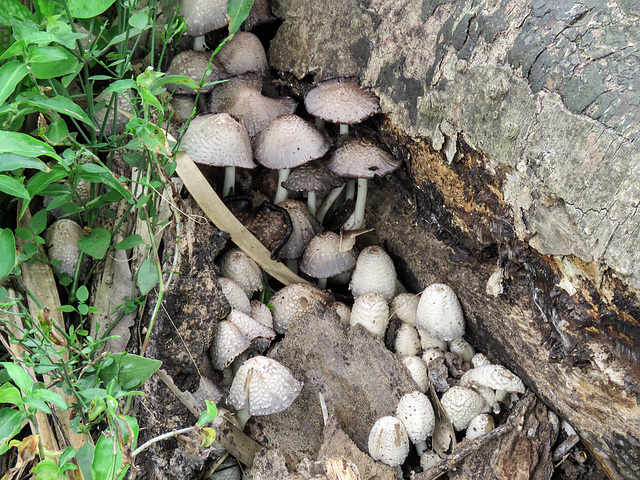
(244, 53)
(203, 16)
(323, 257)
(312, 177)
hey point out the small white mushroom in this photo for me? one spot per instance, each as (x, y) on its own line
(479, 360)
(479, 425)
(374, 272)
(407, 341)
(62, 244)
(324, 257)
(251, 328)
(235, 295)
(404, 306)
(418, 370)
(293, 302)
(462, 349)
(429, 459)
(416, 414)
(388, 441)
(242, 269)
(439, 313)
(228, 343)
(496, 377)
(261, 313)
(372, 312)
(431, 353)
(427, 342)
(461, 405)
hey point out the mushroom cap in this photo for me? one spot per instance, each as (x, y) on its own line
(242, 269)
(479, 359)
(288, 141)
(240, 96)
(261, 313)
(461, 404)
(388, 441)
(405, 306)
(479, 425)
(182, 105)
(416, 414)
(305, 227)
(194, 64)
(202, 16)
(462, 349)
(495, 377)
(228, 343)
(122, 104)
(427, 341)
(344, 312)
(263, 386)
(293, 302)
(418, 370)
(235, 295)
(62, 244)
(407, 341)
(374, 272)
(323, 258)
(249, 327)
(439, 313)
(359, 157)
(218, 140)
(341, 100)
(244, 53)
(372, 312)
(312, 177)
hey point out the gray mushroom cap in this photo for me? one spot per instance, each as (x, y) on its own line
(242, 54)
(263, 386)
(288, 142)
(312, 176)
(323, 258)
(218, 140)
(305, 227)
(194, 64)
(203, 16)
(228, 343)
(293, 302)
(341, 100)
(358, 157)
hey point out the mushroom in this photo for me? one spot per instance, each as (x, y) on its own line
(228, 343)
(404, 306)
(495, 377)
(250, 327)
(439, 313)
(389, 442)
(372, 312)
(260, 313)
(287, 142)
(479, 425)
(479, 359)
(374, 272)
(428, 342)
(312, 177)
(462, 349)
(461, 404)
(293, 302)
(323, 257)
(235, 295)
(203, 16)
(221, 141)
(242, 269)
(416, 414)
(305, 227)
(418, 370)
(242, 54)
(407, 341)
(195, 65)
(343, 312)
(62, 244)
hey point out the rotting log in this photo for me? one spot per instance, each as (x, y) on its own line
(518, 124)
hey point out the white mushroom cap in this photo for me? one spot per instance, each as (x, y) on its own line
(203, 16)
(374, 272)
(343, 312)
(341, 100)
(195, 64)
(289, 141)
(358, 157)
(242, 269)
(479, 360)
(261, 313)
(407, 341)
(461, 405)
(405, 306)
(427, 341)
(428, 460)
(305, 227)
(249, 327)
(388, 441)
(462, 349)
(263, 386)
(293, 302)
(323, 258)
(228, 343)
(495, 377)
(235, 295)
(479, 425)
(431, 354)
(244, 53)
(182, 105)
(62, 244)
(418, 370)
(372, 312)
(218, 140)
(416, 413)
(439, 313)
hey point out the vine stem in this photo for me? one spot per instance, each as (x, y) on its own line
(164, 436)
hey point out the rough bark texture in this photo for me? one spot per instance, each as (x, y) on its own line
(518, 122)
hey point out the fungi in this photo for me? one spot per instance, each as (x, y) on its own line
(294, 302)
(203, 16)
(195, 65)
(62, 244)
(372, 312)
(461, 404)
(416, 414)
(235, 295)
(323, 257)
(242, 269)
(242, 54)
(312, 177)
(374, 272)
(479, 425)
(388, 441)
(439, 313)
(418, 370)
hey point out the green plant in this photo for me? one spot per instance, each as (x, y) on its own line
(58, 56)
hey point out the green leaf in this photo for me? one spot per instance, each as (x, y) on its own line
(23, 144)
(139, 20)
(127, 367)
(84, 458)
(96, 243)
(147, 276)
(45, 66)
(11, 421)
(82, 294)
(46, 54)
(38, 222)
(19, 376)
(11, 73)
(12, 10)
(11, 186)
(57, 132)
(13, 161)
(37, 403)
(120, 86)
(237, 11)
(58, 104)
(130, 242)
(88, 9)
(83, 309)
(7, 252)
(180, 79)
(51, 397)
(209, 414)
(48, 469)
(10, 394)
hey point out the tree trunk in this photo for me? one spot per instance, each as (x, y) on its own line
(517, 121)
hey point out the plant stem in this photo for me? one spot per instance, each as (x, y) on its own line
(164, 436)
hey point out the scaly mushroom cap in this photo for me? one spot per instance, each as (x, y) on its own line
(263, 386)
(416, 414)
(405, 306)
(479, 425)
(293, 302)
(372, 312)
(358, 157)
(261, 313)
(235, 295)
(218, 140)
(479, 360)
(461, 405)
(228, 343)
(62, 244)
(374, 273)
(194, 64)
(312, 177)
(341, 100)
(322, 258)
(439, 313)
(418, 370)
(249, 327)
(462, 349)
(182, 105)
(288, 141)
(244, 53)
(202, 16)
(388, 441)
(495, 377)
(305, 227)
(427, 342)
(242, 269)
(407, 341)
(240, 96)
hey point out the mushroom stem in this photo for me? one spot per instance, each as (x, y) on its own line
(243, 417)
(421, 447)
(292, 264)
(281, 192)
(198, 43)
(319, 123)
(322, 282)
(361, 201)
(350, 192)
(399, 472)
(312, 204)
(344, 129)
(328, 202)
(229, 181)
